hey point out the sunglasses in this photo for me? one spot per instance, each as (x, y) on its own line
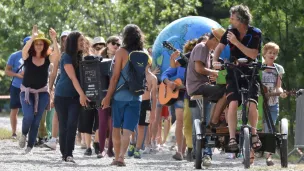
(114, 43)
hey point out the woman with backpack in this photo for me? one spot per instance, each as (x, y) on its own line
(126, 103)
(105, 119)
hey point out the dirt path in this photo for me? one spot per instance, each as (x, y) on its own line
(12, 159)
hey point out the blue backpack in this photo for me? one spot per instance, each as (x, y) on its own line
(136, 81)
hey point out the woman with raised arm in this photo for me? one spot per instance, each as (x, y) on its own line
(34, 88)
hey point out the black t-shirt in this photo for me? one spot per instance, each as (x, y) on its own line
(252, 40)
(35, 77)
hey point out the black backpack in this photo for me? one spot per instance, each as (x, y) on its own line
(136, 81)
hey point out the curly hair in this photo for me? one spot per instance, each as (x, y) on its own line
(132, 38)
(72, 47)
(190, 44)
(242, 13)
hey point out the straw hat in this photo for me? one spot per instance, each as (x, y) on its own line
(41, 36)
(218, 33)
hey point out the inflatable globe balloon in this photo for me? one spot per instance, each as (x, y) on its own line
(178, 33)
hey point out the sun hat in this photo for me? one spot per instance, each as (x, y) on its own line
(41, 36)
(218, 33)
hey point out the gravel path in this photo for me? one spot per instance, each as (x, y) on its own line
(12, 159)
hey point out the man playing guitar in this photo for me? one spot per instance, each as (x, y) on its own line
(198, 83)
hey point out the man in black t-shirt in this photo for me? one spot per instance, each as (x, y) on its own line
(245, 42)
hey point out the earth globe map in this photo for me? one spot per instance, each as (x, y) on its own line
(178, 33)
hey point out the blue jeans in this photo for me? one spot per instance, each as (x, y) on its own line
(31, 121)
(197, 114)
(67, 109)
(274, 113)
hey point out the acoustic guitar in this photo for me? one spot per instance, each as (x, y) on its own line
(169, 46)
(267, 94)
(168, 96)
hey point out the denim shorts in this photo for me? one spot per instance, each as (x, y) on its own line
(15, 97)
(179, 104)
(125, 114)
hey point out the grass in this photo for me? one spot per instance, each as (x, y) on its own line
(5, 134)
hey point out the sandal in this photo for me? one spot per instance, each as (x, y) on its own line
(121, 163)
(114, 163)
(256, 143)
(233, 145)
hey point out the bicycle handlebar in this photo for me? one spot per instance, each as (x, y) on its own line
(258, 65)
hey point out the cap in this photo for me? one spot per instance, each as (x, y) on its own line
(65, 33)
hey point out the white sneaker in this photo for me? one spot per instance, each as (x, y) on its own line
(70, 159)
(147, 150)
(22, 141)
(207, 161)
(28, 150)
(52, 143)
(155, 147)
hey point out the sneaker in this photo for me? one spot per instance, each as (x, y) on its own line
(70, 159)
(137, 154)
(147, 150)
(88, 152)
(206, 161)
(178, 156)
(131, 150)
(96, 147)
(155, 147)
(28, 150)
(101, 155)
(22, 141)
(14, 136)
(189, 157)
(52, 143)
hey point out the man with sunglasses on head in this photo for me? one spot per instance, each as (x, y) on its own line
(98, 44)
(245, 42)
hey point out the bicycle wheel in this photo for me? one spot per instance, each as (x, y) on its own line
(284, 143)
(246, 148)
(198, 154)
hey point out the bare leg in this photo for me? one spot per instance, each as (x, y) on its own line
(55, 125)
(88, 140)
(253, 117)
(179, 129)
(232, 118)
(96, 139)
(116, 142)
(14, 120)
(167, 125)
(155, 124)
(218, 109)
(125, 141)
(140, 136)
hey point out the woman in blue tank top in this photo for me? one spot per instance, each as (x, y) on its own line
(125, 105)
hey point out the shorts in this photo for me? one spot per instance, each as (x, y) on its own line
(179, 104)
(88, 121)
(165, 112)
(211, 92)
(15, 97)
(125, 114)
(232, 93)
(144, 118)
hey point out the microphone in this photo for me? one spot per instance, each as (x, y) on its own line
(299, 92)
